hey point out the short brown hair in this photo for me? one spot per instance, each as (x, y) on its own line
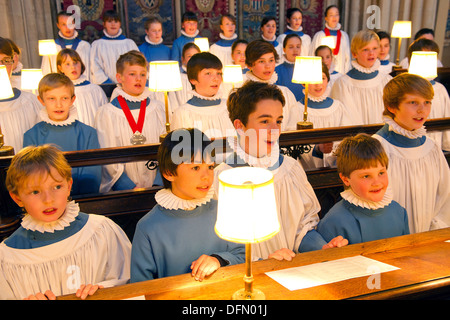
(133, 57)
(395, 90)
(359, 152)
(64, 53)
(242, 101)
(55, 80)
(32, 160)
(258, 48)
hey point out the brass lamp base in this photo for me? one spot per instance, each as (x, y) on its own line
(163, 136)
(304, 125)
(243, 294)
(6, 151)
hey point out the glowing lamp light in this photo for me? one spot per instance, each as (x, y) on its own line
(424, 64)
(164, 77)
(6, 90)
(202, 43)
(247, 213)
(329, 41)
(307, 70)
(47, 47)
(30, 79)
(232, 74)
(401, 29)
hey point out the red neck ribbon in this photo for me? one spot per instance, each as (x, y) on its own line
(338, 42)
(140, 123)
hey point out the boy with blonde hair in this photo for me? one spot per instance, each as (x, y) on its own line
(131, 118)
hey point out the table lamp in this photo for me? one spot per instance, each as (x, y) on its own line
(202, 43)
(424, 64)
(401, 29)
(247, 213)
(164, 77)
(329, 41)
(48, 48)
(307, 70)
(30, 79)
(6, 92)
(232, 73)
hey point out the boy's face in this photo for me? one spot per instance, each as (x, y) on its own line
(269, 29)
(66, 29)
(238, 55)
(327, 57)
(57, 101)
(412, 112)
(296, 20)
(192, 181)
(263, 128)
(385, 47)
(228, 27)
(369, 184)
(188, 55)
(318, 90)
(8, 61)
(154, 32)
(190, 27)
(264, 67)
(133, 79)
(332, 18)
(208, 82)
(112, 27)
(293, 49)
(70, 68)
(368, 55)
(44, 198)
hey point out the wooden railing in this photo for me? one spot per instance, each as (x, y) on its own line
(127, 207)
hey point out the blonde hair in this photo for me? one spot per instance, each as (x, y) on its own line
(395, 91)
(362, 39)
(55, 80)
(31, 160)
(359, 152)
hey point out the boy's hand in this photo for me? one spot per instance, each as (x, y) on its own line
(337, 242)
(204, 266)
(86, 290)
(282, 254)
(47, 295)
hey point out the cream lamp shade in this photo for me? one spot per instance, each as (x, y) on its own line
(47, 47)
(247, 211)
(424, 64)
(6, 91)
(164, 76)
(401, 29)
(30, 78)
(307, 70)
(202, 43)
(232, 74)
(329, 41)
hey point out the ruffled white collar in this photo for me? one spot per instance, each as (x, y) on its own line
(323, 97)
(73, 115)
(298, 30)
(356, 200)
(372, 69)
(18, 68)
(144, 95)
(273, 79)
(394, 126)
(189, 36)
(387, 57)
(166, 199)
(80, 80)
(69, 215)
(112, 37)
(222, 36)
(286, 60)
(269, 40)
(153, 43)
(265, 162)
(75, 34)
(217, 96)
(338, 27)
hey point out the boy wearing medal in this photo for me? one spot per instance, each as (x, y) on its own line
(131, 118)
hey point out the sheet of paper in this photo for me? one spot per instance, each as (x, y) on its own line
(328, 272)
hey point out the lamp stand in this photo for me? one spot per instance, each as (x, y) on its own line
(397, 61)
(305, 124)
(5, 150)
(166, 105)
(50, 63)
(248, 293)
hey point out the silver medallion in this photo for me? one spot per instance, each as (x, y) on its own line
(137, 138)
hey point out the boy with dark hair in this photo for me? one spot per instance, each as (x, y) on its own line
(189, 31)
